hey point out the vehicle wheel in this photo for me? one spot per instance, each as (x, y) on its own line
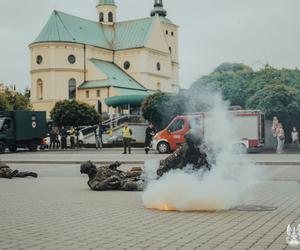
(163, 147)
(13, 149)
(32, 147)
(80, 144)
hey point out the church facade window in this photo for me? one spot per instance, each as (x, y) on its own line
(71, 59)
(39, 59)
(72, 89)
(110, 17)
(170, 49)
(39, 90)
(98, 92)
(172, 33)
(167, 32)
(158, 66)
(87, 94)
(126, 65)
(101, 17)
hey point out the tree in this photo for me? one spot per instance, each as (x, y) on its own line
(274, 91)
(20, 102)
(3, 103)
(161, 108)
(149, 105)
(10, 100)
(232, 67)
(278, 100)
(74, 113)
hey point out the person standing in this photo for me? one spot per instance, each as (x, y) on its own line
(280, 138)
(101, 131)
(295, 137)
(57, 141)
(52, 138)
(127, 134)
(63, 136)
(72, 134)
(274, 131)
(150, 132)
(98, 137)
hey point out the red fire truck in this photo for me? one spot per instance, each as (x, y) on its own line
(248, 124)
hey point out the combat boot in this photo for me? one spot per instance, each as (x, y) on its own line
(13, 174)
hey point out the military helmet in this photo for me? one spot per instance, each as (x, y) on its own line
(193, 138)
(86, 166)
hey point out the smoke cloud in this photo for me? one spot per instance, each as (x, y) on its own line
(231, 178)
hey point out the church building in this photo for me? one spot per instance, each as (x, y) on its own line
(111, 65)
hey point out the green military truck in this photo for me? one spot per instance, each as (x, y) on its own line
(22, 129)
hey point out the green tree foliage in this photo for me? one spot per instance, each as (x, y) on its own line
(10, 100)
(74, 113)
(274, 91)
(161, 108)
(276, 99)
(3, 103)
(20, 102)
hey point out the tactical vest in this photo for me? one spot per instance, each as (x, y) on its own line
(127, 132)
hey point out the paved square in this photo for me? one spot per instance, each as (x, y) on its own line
(58, 211)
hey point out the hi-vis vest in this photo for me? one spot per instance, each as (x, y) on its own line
(126, 132)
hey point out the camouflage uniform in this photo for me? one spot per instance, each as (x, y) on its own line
(110, 178)
(188, 154)
(6, 172)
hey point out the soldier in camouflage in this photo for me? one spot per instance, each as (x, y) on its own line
(188, 154)
(110, 178)
(6, 172)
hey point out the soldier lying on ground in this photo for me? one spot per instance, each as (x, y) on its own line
(188, 154)
(6, 172)
(110, 178)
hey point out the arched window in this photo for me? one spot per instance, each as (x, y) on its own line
(158, 66)
(110, 17)
(39, 89)
(101, 17)
(72, 88)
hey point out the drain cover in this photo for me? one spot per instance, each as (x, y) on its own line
(254, 208)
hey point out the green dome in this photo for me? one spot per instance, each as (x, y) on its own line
(106, 2)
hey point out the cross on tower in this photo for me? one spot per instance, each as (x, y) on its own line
(158, 9)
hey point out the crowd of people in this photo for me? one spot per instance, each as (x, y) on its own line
(58, 137)
(279, 136)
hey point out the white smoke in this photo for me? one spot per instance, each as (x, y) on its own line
(231, 178)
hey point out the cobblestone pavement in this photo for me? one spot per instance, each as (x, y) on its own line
(58, 211)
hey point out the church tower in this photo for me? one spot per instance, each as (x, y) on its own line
(107, 12)
(158, 9)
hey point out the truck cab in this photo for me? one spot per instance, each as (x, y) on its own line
(7, 136)
(170, 138)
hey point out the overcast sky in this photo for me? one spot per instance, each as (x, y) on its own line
(254, 32)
